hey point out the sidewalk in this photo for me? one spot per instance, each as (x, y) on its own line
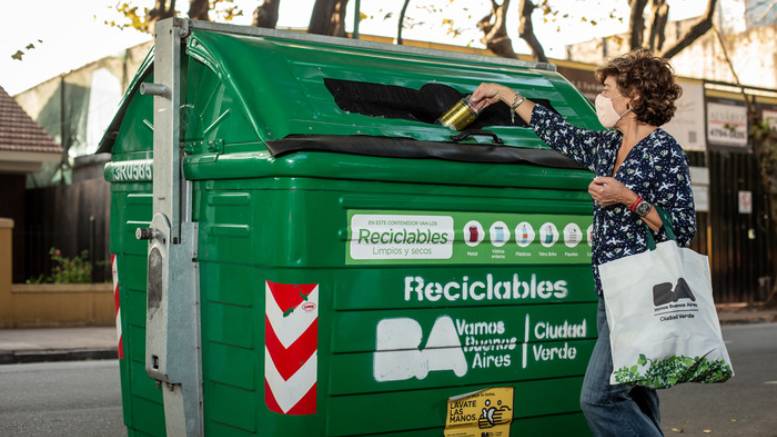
(741, 313)
(73, 344)
(58, 344)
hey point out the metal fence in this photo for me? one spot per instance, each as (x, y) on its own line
(740, 244)
(72, 218)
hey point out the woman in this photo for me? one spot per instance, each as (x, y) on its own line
(638, 166)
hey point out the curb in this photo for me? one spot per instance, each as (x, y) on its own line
(749, 320)
(39, 356)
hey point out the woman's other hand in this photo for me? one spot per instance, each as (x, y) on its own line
(607, 191)
(486, 94)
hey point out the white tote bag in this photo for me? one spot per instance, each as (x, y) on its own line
(664, 329)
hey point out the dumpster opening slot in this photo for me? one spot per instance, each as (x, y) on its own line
(426, 104)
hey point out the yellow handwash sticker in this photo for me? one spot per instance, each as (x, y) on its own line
(484, 413)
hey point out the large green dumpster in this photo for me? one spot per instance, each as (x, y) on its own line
(323, 259)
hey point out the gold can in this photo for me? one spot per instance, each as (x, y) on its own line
(459, 115)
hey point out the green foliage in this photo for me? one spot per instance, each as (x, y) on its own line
(132, 16)
(225, 10)
(71, 270)
(66, 270)
(673, 370)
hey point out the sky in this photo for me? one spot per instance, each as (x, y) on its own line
(73, 32)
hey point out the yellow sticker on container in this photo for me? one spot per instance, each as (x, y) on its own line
(484, 413)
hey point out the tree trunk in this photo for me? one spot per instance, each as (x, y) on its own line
(526, 30)
(266, 14)
(162, 9)
(495, 34)
(636, 23)
(401, 23)
(658, 20)
(338, 18)
(198, 9)
(321, 17)
(695, 32)
(328, 17)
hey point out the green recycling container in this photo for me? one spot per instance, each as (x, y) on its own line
(362, 269)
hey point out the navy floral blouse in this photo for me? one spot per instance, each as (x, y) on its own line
(656, 169)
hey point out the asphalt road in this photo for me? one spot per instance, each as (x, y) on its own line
(80, 398)
(83, 398)
(744, 406)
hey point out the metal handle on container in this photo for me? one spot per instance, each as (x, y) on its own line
(147, 234)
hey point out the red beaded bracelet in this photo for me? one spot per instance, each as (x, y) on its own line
(635, 204)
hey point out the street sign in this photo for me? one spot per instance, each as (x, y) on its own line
(745, 202)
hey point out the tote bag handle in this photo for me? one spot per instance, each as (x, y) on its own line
(667, 225)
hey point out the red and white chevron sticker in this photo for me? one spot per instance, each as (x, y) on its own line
(116, 305)
(290, 347)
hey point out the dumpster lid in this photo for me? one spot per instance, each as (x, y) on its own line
(311, 92)
(112, 131)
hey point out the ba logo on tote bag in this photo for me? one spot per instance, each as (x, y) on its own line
(664, 294)
(664, 329)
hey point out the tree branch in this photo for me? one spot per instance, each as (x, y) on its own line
(495, 33)
(485, 24)
(401, 22)
(636, 23)
(695, 32)
(657, 26)
(526, 30)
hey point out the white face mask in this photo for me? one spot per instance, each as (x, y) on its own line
(606, 112)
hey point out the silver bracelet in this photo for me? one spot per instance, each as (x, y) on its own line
(517, 101)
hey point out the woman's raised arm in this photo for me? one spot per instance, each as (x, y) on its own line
(579, 144)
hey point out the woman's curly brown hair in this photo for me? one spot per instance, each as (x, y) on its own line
(648, 76)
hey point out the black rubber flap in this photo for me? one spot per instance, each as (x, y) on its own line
(391, 147)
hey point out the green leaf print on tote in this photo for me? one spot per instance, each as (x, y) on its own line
(664, 373)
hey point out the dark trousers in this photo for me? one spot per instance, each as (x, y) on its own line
(615, 410)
